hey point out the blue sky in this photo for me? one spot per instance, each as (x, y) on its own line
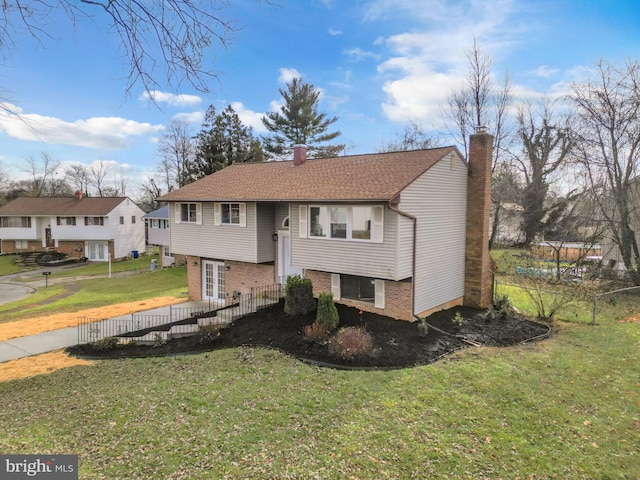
(378, 63)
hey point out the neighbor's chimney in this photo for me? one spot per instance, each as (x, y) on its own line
(299, 154)
(78, 194)
(478, 283)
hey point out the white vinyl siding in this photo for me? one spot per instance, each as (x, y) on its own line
(438, 200)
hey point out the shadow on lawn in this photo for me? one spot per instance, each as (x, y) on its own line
(396, 343)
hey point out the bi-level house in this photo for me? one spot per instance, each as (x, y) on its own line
(401, 234)
(79, 226)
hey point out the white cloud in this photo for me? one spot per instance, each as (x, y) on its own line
(108, 133)
(334, 32)
(249, 117)
(544, 71)
(288, 74)
(171, 99)
(190, 117)
(360, 54)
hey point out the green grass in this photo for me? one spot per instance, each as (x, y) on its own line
(567, 407)
(8, 266)
(99, 292)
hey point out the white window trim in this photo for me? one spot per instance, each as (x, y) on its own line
(178, 212)
(379, 299)
(377, 223)
(217, 214)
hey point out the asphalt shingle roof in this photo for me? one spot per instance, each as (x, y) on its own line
(372, 177)
(61, 206)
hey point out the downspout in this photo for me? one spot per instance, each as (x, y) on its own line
(414, 253)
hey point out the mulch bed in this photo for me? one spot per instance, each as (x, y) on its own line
(396, 343)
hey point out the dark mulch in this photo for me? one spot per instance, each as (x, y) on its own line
(396, 343)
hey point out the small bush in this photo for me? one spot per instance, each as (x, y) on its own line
(458, 319)
(105, 344)
(298, 296)
(503, 305)
(423, 327)
(315, 333)
(327, 313)
(351, 342)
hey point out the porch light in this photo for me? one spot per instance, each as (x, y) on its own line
(275, 237)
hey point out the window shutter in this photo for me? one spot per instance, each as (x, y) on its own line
(303, 222)
(335, 285)
(379, 287)
(217, 213)
(198, 213)
(243, 214)
(178, 208)
(57, 220)
(378, 224)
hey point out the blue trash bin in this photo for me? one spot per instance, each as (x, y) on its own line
(134, 253)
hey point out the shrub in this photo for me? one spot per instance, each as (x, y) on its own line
(315, 332)
(423, 327)
(327, 313)
(458, 319)
(298, 296)
(351, 342)
(105, 344)
(503, 304)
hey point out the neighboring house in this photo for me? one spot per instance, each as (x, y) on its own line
(401, 234)
(92, 227)
(158, 234)
(509, 229)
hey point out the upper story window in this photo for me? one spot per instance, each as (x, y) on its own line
(15, 222)
(358, 223)
(66, 220)
(133, 219)
(230, 213)
(94, 221)
(121, 220)
(188, 213)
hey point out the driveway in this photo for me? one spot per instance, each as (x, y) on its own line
(12, 292)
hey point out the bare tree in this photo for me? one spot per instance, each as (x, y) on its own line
(177, 147)
(78, 176)
(609, 150)
(98, 172)
(413, 137)
(546, 143)
(42, 171)
(155, 35)
(479, 101)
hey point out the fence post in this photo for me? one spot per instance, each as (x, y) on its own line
(595, 300)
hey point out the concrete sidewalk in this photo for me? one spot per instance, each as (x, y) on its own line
(65, 337)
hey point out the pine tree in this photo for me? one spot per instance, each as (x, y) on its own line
(299, 122)
(222, 141)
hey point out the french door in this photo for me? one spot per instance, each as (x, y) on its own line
(213, 281)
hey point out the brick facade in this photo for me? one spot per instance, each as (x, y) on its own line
(71, 248)
(397, 303)
(478, 283)
(9, 246)
(194, 277)
(242, 276)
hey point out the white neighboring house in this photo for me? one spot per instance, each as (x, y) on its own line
(78, 226)
(158, 234)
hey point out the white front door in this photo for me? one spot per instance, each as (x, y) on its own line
(213, 281)
(285, 269)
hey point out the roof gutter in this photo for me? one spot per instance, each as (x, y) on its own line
(414, 253)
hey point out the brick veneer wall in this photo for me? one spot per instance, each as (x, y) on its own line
(242, 276)
(70, 248)
(478, 284)
(397, 302)
(9, 246)
(194, 277)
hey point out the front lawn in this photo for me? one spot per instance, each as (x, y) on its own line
(563, 408)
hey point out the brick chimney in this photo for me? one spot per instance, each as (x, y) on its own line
(299, 154)
(78, 194)
(478, 283)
